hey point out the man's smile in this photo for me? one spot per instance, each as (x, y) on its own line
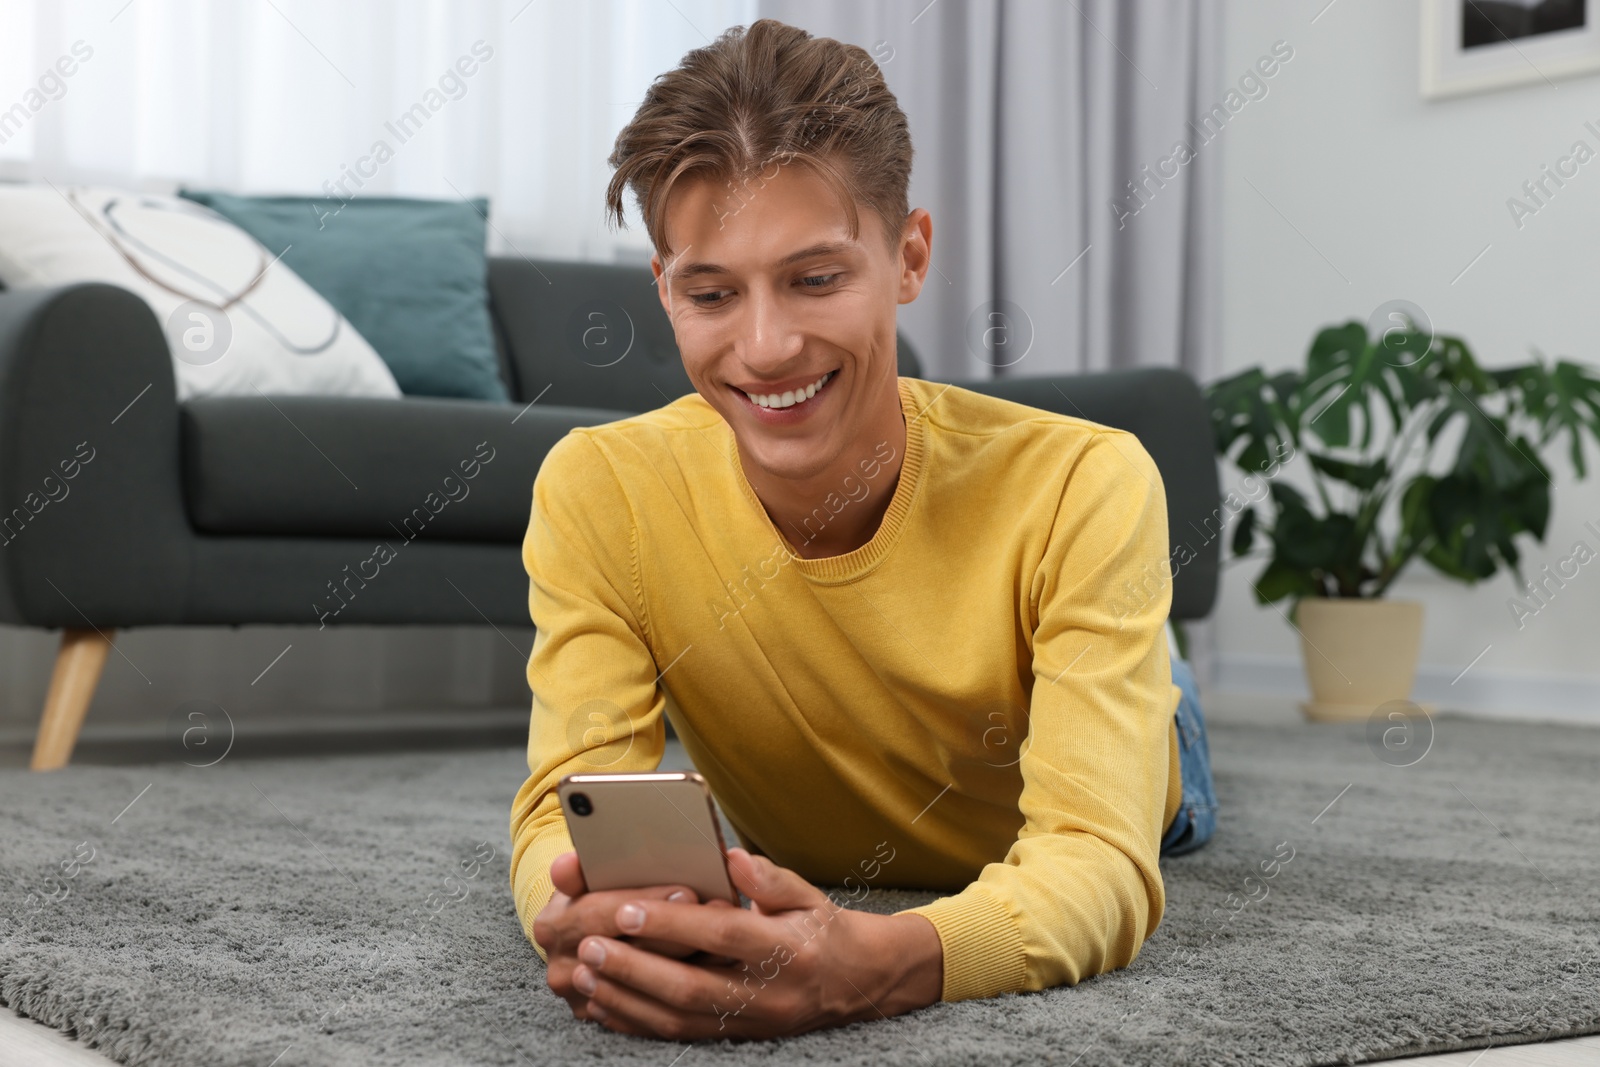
(782, 403)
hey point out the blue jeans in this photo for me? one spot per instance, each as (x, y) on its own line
(1196, 820)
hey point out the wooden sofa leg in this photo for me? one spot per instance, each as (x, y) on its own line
(79, 662)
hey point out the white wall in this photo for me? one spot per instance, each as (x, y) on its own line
(1398, 195)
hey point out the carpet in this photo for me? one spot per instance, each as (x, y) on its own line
(1353, 906)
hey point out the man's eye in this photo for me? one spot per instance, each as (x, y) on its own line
(814, 281)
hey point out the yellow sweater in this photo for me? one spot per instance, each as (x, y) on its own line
(971, 702)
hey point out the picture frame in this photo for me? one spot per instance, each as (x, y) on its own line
(1542, 41)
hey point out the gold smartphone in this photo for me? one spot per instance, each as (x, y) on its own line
(646, 829)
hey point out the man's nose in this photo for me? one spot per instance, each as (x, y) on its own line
(770, 333)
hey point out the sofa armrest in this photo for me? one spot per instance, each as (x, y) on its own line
(92, 526)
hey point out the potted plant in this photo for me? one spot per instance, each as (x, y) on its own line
(1412, 452)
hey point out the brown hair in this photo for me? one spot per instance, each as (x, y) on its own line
(760, 97)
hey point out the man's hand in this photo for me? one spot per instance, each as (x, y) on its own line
(573, 913)
(799, 961)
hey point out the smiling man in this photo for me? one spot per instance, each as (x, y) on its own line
(918, 667)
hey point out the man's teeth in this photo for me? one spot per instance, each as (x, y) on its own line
(791, 398)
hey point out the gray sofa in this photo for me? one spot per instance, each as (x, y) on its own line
(121, 507)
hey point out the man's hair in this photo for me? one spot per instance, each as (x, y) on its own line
(756, 99)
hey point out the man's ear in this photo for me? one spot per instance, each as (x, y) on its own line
(916, 253)
(662, 286)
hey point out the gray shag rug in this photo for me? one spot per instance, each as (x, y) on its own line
(355, 910)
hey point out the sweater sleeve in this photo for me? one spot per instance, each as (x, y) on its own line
(597, 706)
(1079, 890)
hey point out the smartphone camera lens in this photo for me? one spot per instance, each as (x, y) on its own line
(580, 804)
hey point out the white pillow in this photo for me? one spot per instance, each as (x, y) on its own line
(281, 337)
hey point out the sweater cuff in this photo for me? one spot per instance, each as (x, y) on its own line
(983, 951)
(537, 888)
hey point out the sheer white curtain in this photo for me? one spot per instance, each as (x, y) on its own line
(518, 100)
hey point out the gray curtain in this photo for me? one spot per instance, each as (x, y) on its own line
(1033, 123)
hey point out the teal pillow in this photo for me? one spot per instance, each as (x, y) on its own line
(410, 275)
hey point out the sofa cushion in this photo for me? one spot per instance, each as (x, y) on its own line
(410, 274)
(275, 335)
(458, 470)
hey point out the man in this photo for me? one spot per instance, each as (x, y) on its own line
(881, 614)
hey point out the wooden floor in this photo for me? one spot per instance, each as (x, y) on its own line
(1574, 1052)
(24, 1043)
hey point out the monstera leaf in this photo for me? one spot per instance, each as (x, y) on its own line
(1412, 451)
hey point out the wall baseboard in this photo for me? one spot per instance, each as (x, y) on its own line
(1570, 698)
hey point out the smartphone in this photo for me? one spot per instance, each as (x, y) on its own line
(644, 829)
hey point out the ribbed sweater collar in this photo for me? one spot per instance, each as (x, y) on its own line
(855, 564)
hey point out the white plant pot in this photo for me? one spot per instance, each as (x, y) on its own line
(1358, 654)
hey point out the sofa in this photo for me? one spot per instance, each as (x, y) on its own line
(122, 507)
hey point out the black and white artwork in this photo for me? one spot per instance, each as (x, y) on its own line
(1477, 45)
(1489, 22)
